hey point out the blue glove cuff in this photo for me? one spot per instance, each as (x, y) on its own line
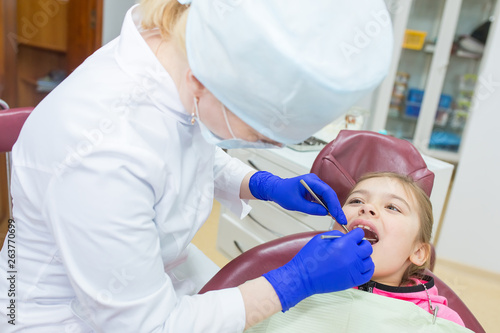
(260, 185)
(288, 286)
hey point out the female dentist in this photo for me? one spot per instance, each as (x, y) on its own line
(116, 170)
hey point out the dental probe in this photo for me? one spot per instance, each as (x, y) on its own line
(337, 236)
(322, 204)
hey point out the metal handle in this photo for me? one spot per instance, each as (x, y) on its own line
(238, 246)
(275, 233)
(8, 165)
(3, 105)
(252, 164)
(322, 204)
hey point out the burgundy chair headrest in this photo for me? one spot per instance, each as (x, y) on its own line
(353, 153)
(11, 122)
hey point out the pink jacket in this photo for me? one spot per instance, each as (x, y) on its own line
(417, 295)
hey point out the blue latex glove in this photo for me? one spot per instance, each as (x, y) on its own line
(322, 266)
(290, 194)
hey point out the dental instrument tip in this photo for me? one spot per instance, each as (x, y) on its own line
(336, 236)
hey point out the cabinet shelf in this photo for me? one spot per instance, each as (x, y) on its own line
(44, 47)
(30, 81)
(34, 83)
(448, 129)
(43, 26)
(430, 47)
(467, 55)
(443, 155)
(403, 118)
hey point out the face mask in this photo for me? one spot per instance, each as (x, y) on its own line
(233, 143)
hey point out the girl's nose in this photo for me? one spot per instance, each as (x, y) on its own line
(368, 209)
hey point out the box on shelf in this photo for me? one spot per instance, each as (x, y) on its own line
(414, 39)
(444, 110)
(414, 102)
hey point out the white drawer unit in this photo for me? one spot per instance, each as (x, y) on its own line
(259, 161)
(268, 221)
(264, 223)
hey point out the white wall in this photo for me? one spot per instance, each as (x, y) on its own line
(471, 228)
(113, 14)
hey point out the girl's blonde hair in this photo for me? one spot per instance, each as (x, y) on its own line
(169, 16)
(424, 213)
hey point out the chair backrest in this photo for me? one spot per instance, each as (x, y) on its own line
(11, 122)
(271, 255)
(353, 153)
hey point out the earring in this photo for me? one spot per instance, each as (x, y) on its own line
(193, 116)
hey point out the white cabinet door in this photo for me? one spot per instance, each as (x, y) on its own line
(471, 225)
(428, 92)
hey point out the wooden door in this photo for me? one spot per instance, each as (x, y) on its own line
(2, 60)
(37, 37)
(8, 60)
(85, 24)
(43, 36)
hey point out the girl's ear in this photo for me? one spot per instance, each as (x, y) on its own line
(420, 254)
(193, 84)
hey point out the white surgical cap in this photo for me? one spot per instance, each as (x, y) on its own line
(289, 67)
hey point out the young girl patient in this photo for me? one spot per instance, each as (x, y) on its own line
(396, 212)
(396, 216)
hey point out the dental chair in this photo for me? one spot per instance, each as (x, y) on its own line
(340, 164)
(11, 122)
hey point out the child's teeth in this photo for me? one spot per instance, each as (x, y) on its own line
(363, 227)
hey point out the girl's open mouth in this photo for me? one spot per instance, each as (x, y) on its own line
(370, 235)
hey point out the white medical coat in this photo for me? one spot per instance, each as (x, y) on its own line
(110, 183)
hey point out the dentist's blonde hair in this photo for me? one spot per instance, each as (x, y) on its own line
(167, 15)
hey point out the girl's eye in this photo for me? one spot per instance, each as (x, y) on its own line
(355, 201)
(394, 208)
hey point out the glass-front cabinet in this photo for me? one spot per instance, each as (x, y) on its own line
(433, 81)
